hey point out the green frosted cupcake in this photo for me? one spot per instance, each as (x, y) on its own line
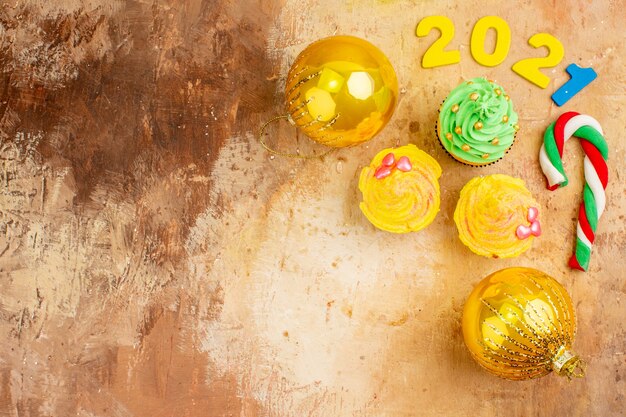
(477, 123)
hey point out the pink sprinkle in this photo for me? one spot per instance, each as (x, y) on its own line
(389, 160)
(533, 212)
(404, 164)
(382, 172)
(522, 232)
(535, 228)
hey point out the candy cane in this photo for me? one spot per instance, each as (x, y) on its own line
(596, 175)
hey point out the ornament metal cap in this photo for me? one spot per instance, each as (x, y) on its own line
(565, 363)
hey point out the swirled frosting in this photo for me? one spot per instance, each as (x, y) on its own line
(489, 212)
(407, 198)
(477, 123)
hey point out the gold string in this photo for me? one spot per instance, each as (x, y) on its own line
(286, 154)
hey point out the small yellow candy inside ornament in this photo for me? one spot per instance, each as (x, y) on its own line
(519, 323)
(340, 91)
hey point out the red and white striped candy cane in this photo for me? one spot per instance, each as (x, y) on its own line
(596, 175)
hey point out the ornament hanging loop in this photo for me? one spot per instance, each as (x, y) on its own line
(273, 151)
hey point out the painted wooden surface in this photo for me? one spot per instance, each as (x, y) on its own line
(155, 261)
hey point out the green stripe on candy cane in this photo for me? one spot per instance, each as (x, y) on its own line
(589, 200)
(582, 254)
(590, 134)
(549, 143)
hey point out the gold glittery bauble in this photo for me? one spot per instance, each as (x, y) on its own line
(341, 91)
(519, 323)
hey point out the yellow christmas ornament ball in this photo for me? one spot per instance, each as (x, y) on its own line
(341, 91)
(519, 324)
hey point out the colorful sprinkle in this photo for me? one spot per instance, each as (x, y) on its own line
(522, 232)
(389, 160)
(404, 164)
(533, 212)
(382, 172)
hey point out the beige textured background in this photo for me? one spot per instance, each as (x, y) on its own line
(155, 261)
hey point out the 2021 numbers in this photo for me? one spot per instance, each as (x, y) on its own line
(529, 68)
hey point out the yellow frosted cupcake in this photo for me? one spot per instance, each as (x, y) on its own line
(400, 189)
(496, 216)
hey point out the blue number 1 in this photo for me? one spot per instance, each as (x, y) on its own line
(579, 79)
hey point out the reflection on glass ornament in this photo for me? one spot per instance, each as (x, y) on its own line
(519, 323)
(340, 91)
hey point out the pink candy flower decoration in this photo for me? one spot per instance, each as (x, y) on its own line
(523, 231)
(389, 164)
